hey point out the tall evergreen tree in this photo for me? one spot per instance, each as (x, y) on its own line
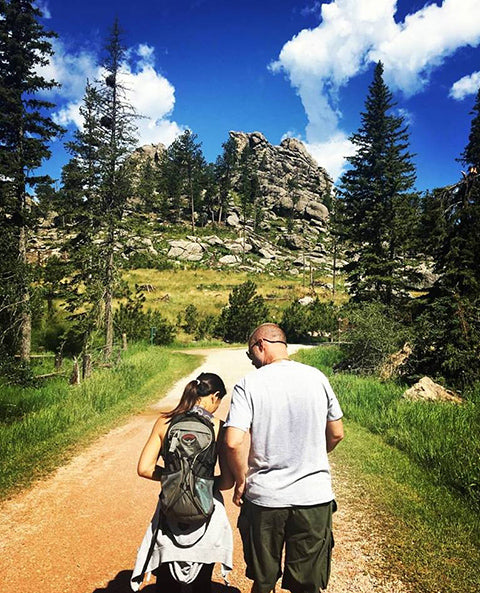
(225, 168)
(25, 131)
(377, 209)
(448, 325)
(98, 183)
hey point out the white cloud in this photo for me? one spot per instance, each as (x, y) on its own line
(406, 115)
(353, 34)
(152, 95)
(69, 114)
(468, 85)
(331, 154)
(425, 39)
(70, 69)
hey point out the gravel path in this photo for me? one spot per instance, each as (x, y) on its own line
(78, 531)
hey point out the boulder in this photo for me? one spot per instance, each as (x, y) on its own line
(306, 300)
(229, 260)
(428, 390)
(294, 242)
(233, 220)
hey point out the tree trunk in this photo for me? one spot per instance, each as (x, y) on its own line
(25, 319)
(75, 376)
(108, 314)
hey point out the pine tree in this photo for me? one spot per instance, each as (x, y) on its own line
(97, 183)
(25, 131)
(377, 209)
(225, 169)
(184, 158)
(448, 324)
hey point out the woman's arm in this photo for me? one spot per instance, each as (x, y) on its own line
(147, 464)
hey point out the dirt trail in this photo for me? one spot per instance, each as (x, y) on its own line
(78, 531)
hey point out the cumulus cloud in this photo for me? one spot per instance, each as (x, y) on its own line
(468, 85)
(70, 69)
(151, 94)
(331, 154)
(425, 39)
(352, 35)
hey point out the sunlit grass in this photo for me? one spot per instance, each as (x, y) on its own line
(40, 426)
(419, 463)
(208, 289)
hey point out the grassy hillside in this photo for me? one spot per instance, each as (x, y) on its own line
(208, 289)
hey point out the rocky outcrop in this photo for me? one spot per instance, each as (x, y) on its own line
(428, 390)
(151, 152)
(290, 180)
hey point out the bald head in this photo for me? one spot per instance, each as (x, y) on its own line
(268, 331)
(267, 344)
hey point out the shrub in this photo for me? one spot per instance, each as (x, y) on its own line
(294, 322)
(244, 312)
(316, 320)
(374, 332)
(132, 320)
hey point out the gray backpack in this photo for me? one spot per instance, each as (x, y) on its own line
(189, 455)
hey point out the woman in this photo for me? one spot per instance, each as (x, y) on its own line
(178, 552)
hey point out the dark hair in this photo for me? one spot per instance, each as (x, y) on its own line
(204, 384)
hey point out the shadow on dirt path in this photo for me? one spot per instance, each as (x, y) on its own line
(121, 584)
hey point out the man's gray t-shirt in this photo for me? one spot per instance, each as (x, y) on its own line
(285, 405)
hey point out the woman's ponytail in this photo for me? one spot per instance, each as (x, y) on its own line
(204, 384)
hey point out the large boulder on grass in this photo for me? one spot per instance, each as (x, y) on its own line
(428, 390)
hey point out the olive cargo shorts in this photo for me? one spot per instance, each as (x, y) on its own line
(308, 538)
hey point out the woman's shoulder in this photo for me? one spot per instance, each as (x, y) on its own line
(161, 425)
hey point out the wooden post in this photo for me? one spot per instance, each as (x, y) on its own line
(124, 341)
(75, 376)
(58, 361)
(86, 365)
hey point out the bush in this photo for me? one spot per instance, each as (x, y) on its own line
(138, 324)
(447, 342)
(374, 332)
(244, 312)
(312, 322)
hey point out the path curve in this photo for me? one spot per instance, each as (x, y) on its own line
(78, 530)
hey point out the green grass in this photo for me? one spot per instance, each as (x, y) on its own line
(419, 465)
(208, 289)
(432, 536)
(40, 427)
(441, 437)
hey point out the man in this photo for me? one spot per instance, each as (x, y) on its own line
(284, 490)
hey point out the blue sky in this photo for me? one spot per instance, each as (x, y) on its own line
(284, 67)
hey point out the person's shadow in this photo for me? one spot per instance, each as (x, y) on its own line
(121, 584)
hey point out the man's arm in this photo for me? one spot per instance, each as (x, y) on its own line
(334, 434)
(235, 452)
